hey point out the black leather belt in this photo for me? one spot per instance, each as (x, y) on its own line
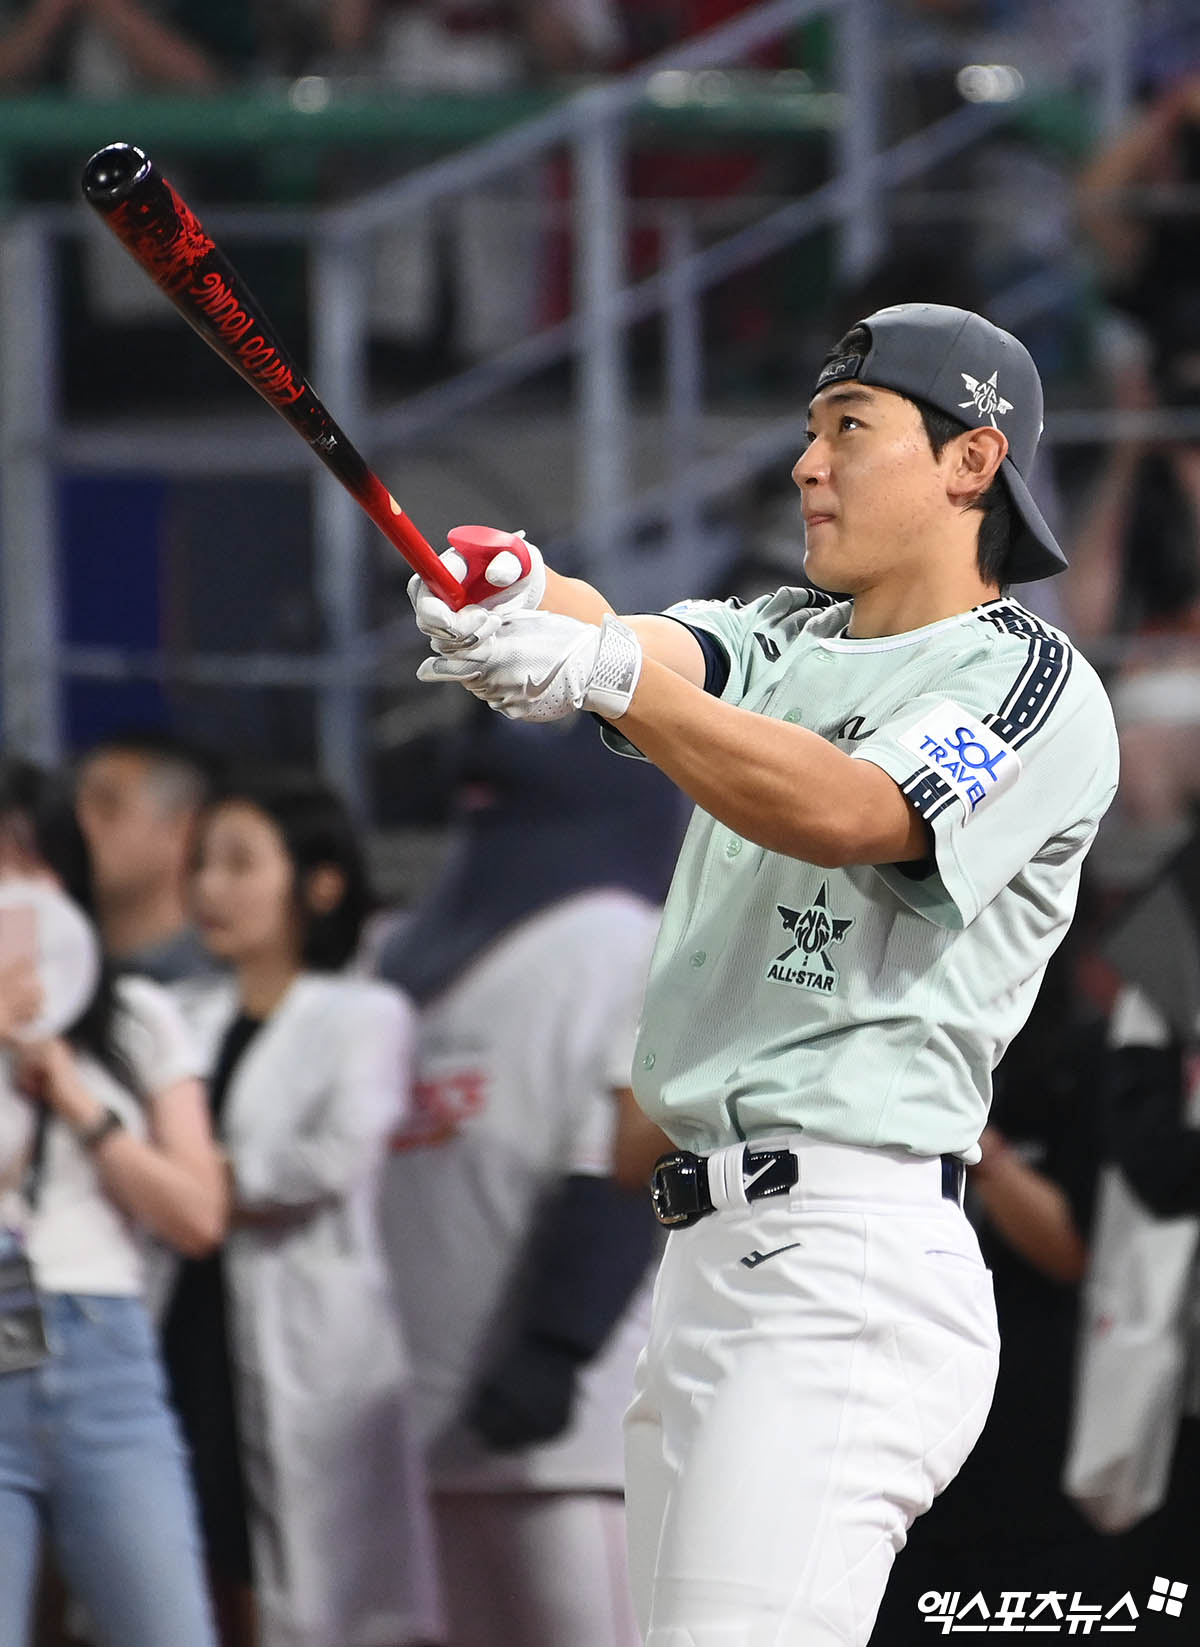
(679, 1182)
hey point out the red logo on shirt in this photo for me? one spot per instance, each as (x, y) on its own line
(440, 1106)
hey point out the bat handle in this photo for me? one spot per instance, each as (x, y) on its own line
(398, 528)
(479, 546)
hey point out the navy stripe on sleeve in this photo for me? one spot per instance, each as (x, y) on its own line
(1040, 681)
(716, 659)
(928, 793)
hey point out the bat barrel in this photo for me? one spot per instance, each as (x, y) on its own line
(166, 238)
(112, 174)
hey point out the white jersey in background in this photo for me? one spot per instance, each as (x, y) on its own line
(517, 1065)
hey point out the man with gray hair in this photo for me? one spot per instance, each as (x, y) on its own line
(138, 796)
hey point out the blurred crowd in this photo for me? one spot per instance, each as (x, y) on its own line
(104, 47)
(335, 1216)
(336, 1211)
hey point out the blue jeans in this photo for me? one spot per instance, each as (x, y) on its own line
(90, 1451)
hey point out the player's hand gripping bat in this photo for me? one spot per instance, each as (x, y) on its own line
(163, 234)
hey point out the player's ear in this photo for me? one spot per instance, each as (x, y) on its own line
(977, 455)
(324, 889)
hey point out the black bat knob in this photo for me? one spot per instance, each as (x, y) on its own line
(112, 172)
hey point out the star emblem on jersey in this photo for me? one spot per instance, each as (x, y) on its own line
(805, 964)
(985, 397)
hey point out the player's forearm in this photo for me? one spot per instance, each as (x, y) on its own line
(350, 24)
(173, 1183)
(639, 1143)
(183, 1202)
(1092, 589)
(574, 598)
(157, 51)
(773, 783)
(668, 642)
(309, 1171)
(1032, 1214)
(1127, 158)
(1107, 219)
(23, 50)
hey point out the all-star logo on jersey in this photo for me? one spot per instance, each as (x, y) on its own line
(985, 397)
(805, 964)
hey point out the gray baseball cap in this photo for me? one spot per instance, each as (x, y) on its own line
(972, 371)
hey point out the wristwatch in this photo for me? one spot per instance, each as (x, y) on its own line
(110, 1121)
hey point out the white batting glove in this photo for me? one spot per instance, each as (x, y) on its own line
(449, 631)
(475, 559)
(540, 666)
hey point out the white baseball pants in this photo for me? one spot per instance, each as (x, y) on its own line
(794, 1414)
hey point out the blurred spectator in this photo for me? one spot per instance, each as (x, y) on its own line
(485, 45)
(1167, 37)
(1042, 41)
(721, 186)
(1135, 579)
(639, 1143)
(522, 1267)
(1138, 203)
(1003, 1523)
(139, 795)
(1151, 1092)
(103, 1129)
(312, 36)
(286, 1359)
(474, 267)
(101, 48)
(1136, 559)
(1142, 224)
(652, 26)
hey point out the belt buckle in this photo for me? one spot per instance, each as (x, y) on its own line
(679, 1189)
(954, 1178)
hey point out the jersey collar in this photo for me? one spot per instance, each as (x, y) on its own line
(909, 637)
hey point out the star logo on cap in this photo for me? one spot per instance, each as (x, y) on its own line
(985, 397)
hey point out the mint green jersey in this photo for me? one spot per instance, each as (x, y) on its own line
(869, 1005)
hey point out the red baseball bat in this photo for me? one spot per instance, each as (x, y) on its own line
(162, 233)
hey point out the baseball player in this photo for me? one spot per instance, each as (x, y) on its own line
(894, 788)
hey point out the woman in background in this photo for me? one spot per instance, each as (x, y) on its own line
(285, 1354)
(103, 1131)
